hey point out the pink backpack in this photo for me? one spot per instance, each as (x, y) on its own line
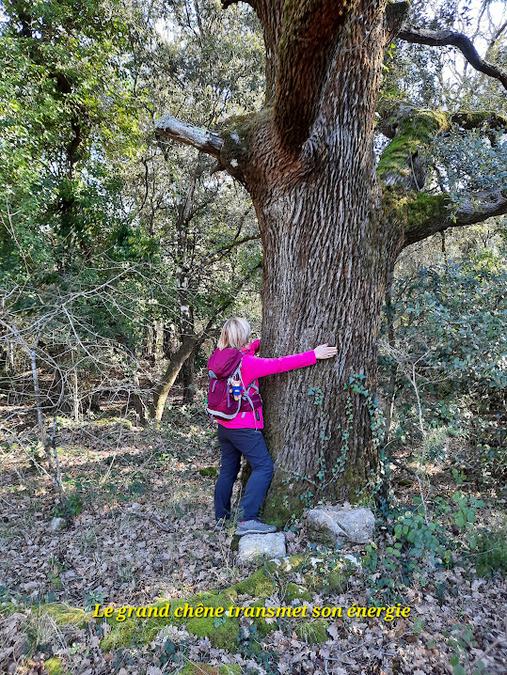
(227, 394)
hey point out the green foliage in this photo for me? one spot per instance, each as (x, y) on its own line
(475, 160)
(69, 506)
(488, 548)
(114, 240)
(460, 641)
(466, 509)
(69, 119)
(450, 321)
(209, 471)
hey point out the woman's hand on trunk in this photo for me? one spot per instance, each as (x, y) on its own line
(325, 352)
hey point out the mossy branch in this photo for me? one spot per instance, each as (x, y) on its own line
(412, 131)
(404, 161)
(422, 214)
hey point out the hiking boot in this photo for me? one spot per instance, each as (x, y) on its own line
(254, 526)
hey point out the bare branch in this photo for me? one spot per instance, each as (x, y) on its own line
(202, 139)
(495, 37)
(481, 206)
(442, 38)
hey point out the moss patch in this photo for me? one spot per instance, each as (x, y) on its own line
(324, 573)
(296, 592)
(54, 666)
(473, 119)
(205, 669)
(313, 632)
(222, 631)
(413, 134)
(328, 576)
(260, 584)
(209, 472)
(63, 614)
(424, 208)
(413, 209)
(281, 507)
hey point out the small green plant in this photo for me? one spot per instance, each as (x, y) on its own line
(435, 443)
(415, 536)
(467, 507)
(461, 641)
(458, 476)
(317, 394)
(94, 597)
(69, 506)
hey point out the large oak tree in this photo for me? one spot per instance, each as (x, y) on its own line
(333, 221)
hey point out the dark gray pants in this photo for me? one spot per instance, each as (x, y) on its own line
(251, 444)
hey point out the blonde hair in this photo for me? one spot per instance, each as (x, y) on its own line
(235, 333)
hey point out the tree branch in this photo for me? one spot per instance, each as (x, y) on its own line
(428, 214)
(229, 148)
(202, 139)
(476, 120)
(441, 38)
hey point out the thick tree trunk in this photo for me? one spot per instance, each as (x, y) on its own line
(324, 282)
(328, 250)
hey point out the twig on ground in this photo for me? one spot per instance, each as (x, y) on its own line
(149, 516)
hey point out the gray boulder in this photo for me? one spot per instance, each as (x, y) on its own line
(335, 525)
(254, 546)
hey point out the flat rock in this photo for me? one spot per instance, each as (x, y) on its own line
(57, 524)
(336, 525)
(254, 546)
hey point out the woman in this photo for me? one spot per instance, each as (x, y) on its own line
(242, 435)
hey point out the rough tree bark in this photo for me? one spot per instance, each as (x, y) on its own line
(331, 227)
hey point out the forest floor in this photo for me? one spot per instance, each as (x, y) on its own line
(140, 527)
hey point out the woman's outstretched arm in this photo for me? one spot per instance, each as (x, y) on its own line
(254, 367)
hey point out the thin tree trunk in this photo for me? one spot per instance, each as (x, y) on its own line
(47, 443)
(188, 379)
(169, 378)
(75, 388)
(158, 342)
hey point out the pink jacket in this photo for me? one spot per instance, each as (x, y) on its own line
(253, 367)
